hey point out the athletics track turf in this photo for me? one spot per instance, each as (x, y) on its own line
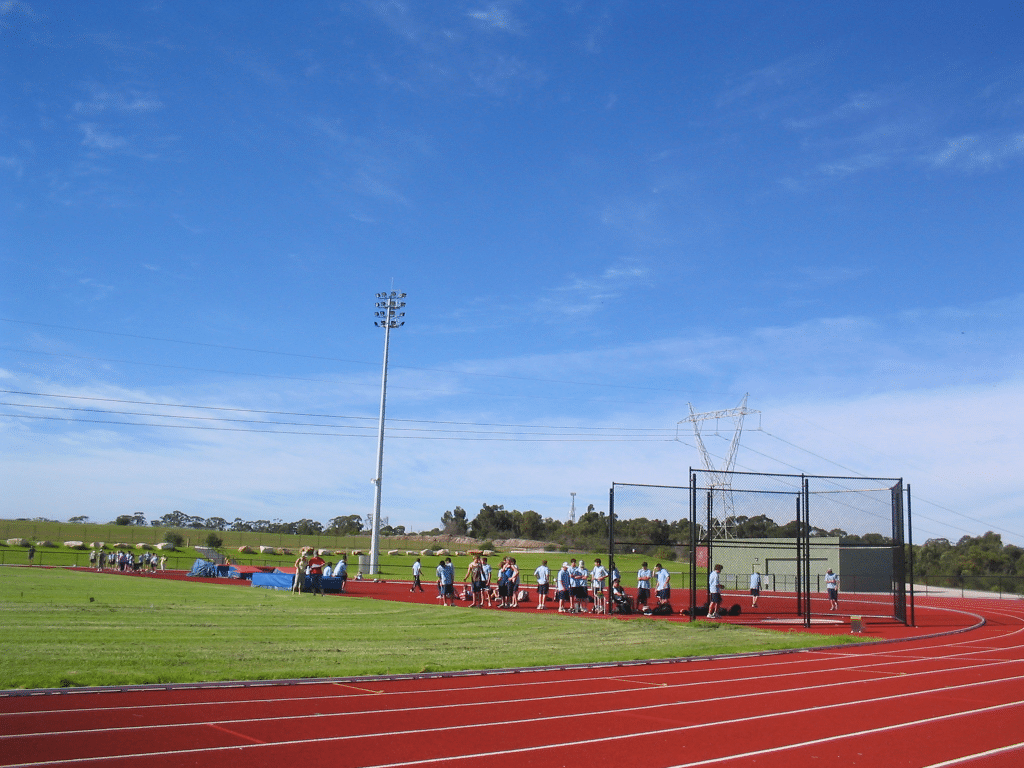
(949, 692)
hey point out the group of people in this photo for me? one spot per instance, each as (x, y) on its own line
(579, 590)
(574, 587)
(484, 585)
(311, 564)
(124, 561)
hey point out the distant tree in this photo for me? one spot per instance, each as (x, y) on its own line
(532, 526)
(213, 541)
(124, 520)
(454, 522)
(306, 527)
(346, 525)
(174, 538)
(173, 519)
(216, 524)
(79, 519)
(494, 521)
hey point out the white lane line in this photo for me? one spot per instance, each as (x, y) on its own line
(472, 705)
(977, 755)
(617, 737)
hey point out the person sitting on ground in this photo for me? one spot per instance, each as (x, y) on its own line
(621, 602)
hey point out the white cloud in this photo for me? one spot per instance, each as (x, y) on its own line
(933, 396)
(497, 16)
(977, 153)
(95, 137)
(103, 100)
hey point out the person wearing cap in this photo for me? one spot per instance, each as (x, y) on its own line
(832, 585)
(564, 592)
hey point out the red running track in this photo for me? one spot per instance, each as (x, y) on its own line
(925, 702)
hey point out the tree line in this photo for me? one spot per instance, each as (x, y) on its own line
(984, 555)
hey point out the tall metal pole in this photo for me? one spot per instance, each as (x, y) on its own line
(388, 316)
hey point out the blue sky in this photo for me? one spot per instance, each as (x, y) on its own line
(601, 212)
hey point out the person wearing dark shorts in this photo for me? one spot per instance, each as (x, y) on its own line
(714, 592)
(663, 590)
(755, 588)
(564, 593)
(542, 574)
(475, 576)
(316, 573)
(832, 586)
(643, 585)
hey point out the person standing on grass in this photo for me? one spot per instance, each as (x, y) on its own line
(542, 574)
(316, 573)
(300, 572)
(662, 577)
(417, 569)
(597, 577)
(643, 586)
(832, 585)
(31, 555)
(755, 588)
(714, 592)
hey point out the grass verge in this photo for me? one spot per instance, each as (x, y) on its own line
(68, 628)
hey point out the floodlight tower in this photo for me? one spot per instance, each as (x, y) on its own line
(388, 317)
(720, 478)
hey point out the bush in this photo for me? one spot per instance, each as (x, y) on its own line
(213, 541)
(174, 538)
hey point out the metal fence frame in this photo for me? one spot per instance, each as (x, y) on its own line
(804, 489)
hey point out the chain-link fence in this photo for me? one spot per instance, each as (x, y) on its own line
(789, 536)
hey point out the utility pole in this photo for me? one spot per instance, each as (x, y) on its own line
(388, 317)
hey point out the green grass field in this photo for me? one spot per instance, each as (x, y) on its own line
(69, 628)
(391, 566)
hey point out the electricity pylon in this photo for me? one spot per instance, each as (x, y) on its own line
(723, 527)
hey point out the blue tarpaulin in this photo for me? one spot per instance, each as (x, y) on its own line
(203, 568)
